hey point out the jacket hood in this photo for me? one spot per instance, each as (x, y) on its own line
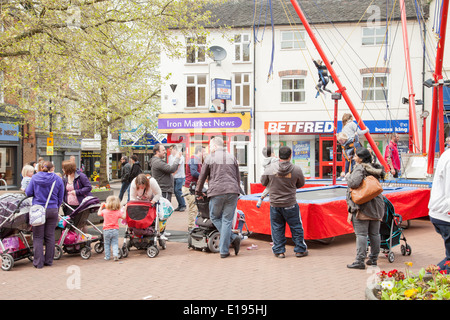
(285, 167)
(268, 161)
(374, 171)
(44, 178)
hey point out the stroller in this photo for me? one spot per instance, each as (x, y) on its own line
(391, 233)
(14, 229)
(143, 230)
(205, 236)
(73, 239)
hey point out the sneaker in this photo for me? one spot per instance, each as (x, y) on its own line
(356, 265)
(163, 237)
(258, 204)
(116, 258)
(182, 209)
(301, 254)
(280, 255)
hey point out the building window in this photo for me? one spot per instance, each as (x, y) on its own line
(242, 47)
(292, 90)
(196, 90)
(373, 36)
(375, 88)
(293, 40)
(242, 90)
(195, 49)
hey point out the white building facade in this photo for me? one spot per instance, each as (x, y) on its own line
(273, 78)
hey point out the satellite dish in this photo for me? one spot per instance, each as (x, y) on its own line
(218, 53)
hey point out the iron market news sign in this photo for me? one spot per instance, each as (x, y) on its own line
(203, 122)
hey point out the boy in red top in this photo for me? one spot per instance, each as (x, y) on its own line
(391, 155)
(111, 213)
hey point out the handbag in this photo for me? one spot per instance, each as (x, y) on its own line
(164, 209)
(369, 189)
(37, 212)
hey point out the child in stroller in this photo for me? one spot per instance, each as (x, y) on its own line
(205, 235)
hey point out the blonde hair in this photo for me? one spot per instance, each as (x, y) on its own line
(346, 118)
(341, 136)
(26, 169)
(113, 203)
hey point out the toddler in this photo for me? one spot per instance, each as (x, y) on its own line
(111, 213)
(27, 173)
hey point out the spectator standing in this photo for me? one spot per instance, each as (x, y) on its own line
(392, 156)
(284, 179)
(76, 185)
(221, 169)
(39, 188)
(179, 178)
(193, 170)
(134, 172)
(124, 174)
(269, 157)
(162, 171)
(366, 217)
(439, 205)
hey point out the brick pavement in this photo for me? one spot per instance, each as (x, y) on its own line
(178, 273)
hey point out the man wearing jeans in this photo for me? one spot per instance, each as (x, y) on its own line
(222, 171)
(439, 205)
(285, 179)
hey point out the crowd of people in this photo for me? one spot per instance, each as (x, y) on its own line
(220, 170)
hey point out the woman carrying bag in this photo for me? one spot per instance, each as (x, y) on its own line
(365, 216)
(40, 188)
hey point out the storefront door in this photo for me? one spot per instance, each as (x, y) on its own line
(239, 149)
(326, 158)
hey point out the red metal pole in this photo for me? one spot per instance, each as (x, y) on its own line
(335, 141)
(414, 131)
(438, 104)
(342, 89)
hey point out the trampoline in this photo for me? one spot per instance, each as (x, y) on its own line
(323, 209)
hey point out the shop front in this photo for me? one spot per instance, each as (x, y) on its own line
(190, 130)
(10, 155)
(312, 142)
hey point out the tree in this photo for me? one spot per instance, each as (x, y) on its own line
(103, 55)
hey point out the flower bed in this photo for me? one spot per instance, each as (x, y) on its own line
(430, 284)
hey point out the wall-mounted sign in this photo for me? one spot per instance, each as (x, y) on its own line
(201, 122)
(220, 89)
(327, 127)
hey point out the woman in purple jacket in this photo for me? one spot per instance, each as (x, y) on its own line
(39, 188)
(76, 186)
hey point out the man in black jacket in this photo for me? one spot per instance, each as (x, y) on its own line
(125, 173)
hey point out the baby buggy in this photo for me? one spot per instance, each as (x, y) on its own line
(73, 240)
(14, 229)
(205, 236)
(143, 229)
(391, 233)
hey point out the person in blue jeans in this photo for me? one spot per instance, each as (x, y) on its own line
(111, 213)
(284, 179)
(221, 169)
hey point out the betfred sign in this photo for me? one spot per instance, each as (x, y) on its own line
(298, 127)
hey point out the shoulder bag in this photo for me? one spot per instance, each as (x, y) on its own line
(37, 212)
(369, 189)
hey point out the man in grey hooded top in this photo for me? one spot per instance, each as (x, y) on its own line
(284, 179)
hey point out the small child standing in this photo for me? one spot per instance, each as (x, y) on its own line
(111, 213)
(27, 173)
(269, 157)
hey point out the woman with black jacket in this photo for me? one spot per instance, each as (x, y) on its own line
(366, 217)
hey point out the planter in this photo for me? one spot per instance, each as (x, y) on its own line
(374, 293)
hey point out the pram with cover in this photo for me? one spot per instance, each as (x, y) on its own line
(391, 233)
(14, 229)
(73, 239)
(143, 229)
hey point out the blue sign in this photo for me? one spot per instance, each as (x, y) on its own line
(220, 89)
(9, 132)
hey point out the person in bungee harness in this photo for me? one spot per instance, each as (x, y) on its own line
(324, 77)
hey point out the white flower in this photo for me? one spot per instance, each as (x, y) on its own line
(387, 285)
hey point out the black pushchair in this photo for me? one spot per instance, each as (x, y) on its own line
(73, 239)
(391, 233)
(14, 229)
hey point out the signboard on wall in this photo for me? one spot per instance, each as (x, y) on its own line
(327, 127)
(220, 89)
